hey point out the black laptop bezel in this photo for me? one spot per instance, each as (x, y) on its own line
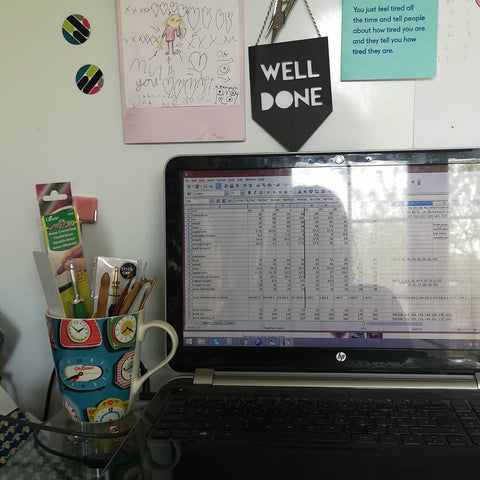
(294, 359)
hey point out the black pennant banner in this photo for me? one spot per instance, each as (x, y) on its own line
(290, 89)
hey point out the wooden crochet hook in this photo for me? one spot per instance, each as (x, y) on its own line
(103, 296)
(129, 298)
(123, 295)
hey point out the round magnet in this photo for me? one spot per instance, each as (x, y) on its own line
(89, 79)
(76, 29)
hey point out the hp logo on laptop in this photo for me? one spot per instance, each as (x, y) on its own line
(341, 356)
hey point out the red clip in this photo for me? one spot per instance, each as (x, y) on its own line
(86, 208)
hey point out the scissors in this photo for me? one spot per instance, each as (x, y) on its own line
(280, 16)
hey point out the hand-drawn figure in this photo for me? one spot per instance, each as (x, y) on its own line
(226, 95)
(174, 27)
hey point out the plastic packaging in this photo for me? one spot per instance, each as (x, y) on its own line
(63, 241)
(113, 277)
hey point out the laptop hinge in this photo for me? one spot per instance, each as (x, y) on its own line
(203, 376)
(207, 376)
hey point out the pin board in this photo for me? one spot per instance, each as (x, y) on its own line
(438, 112)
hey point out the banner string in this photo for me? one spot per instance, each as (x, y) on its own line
(269, 13)
(311, 16)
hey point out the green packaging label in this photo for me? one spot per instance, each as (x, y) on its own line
(61, 231)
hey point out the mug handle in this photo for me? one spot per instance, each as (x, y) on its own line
(137, 379)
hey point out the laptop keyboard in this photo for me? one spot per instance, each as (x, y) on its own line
(322, 420)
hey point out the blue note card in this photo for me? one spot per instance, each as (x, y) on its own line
(389, 39)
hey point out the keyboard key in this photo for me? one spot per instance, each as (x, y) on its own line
(406, 422)
(365, 439)
(448, 421)
(202, 435)
(471, 423)
(452, 430)
(434, 440)
(457, 440)
(330, 428)
(389, 439)
(317, 437)
(412, 440)
(226, 435)
(376, 430)
(426, 430)
(467, 416)
(355, 429)
(427, 423)
(399, 430)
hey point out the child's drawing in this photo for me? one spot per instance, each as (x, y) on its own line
(196, 57)
(174, 27)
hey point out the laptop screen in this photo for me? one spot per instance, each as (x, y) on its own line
(343, 252)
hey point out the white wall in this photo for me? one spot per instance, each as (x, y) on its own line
(49, 131)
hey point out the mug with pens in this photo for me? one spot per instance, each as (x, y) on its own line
(96, 334)
(97, 356)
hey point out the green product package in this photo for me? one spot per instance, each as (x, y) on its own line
(63, 240)
(61, 230)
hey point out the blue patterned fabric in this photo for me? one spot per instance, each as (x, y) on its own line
(12, 436)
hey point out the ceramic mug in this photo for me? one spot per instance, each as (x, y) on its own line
(97, 362)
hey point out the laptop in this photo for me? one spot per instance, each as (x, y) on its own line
(318, 284)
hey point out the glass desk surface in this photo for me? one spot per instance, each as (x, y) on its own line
(34, 457)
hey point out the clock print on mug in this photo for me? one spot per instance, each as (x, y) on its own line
(121, 331)
(70, 409)
(124, 370)
(108, 410)
(79, 333)
(87, 373)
